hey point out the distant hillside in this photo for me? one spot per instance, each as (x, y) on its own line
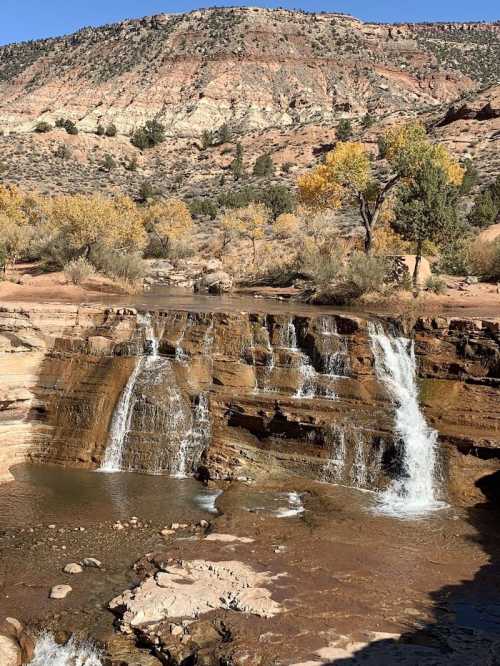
(280, 80)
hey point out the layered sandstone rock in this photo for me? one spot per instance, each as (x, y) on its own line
(244, 395)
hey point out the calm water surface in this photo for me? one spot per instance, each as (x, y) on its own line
(55, 494)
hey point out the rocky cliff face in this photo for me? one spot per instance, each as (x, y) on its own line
(241, 395)
(281, 80)
(254, 68)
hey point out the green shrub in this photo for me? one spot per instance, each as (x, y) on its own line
(111, 130)
(78, 271)
(147, 191)
(63, 151)
(344, 130)
(436, 284)
(151, 134)
(131, 164)
(207, 139)
(484, 213)
(366, 272)
(129, 267)
(108, 162)
(321, 264)
(43, 127)
(264, 166)
(367, 120)
(224, 133)
(70, 127)
(199, 207)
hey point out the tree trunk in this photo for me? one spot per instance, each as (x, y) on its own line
(368, 240)
(418, 258)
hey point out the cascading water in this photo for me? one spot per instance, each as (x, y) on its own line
(120, 423)
(415, 491)
(307, 379)
(49, 653)
(195, 440)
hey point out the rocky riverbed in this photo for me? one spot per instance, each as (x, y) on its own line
(255, 583)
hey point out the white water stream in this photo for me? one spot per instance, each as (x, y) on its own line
(120, 423)
(194, 441)
(49, 653)
(415, 492)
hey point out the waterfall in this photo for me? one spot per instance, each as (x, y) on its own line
(336, 464)
(288, 336)
(307, 379)
(270, 362)
(120, 423)
(73, 653)
(415, 491)
(194, 441)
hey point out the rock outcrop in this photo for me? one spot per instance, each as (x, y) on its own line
(243, 395)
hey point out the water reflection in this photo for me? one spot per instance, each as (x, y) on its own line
(54, 494)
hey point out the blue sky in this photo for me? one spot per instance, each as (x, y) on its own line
(31, 19)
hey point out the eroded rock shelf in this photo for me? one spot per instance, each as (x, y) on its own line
(283, 395)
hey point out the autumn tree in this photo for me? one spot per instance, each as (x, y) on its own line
(17, 223)
(84, 222)
(249, 222)
(168, 220)
(347, 175)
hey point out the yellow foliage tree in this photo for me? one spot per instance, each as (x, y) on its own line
(249, 222)
(168, 220)
(17, 218)
(86, 221)
(347, 174)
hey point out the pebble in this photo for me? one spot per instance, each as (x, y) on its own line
(52, 527)
(167, 532)
(60, 591)
(204, 523)
(73, 568)
(91, 562)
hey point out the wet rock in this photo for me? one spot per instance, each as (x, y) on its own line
(189, 589)
(60, 591)
(73, 568)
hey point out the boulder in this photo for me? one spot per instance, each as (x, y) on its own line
(73, 568)
(217, 282)
(10, 651)
(188, 589)
(60, 591)
(402, 267)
